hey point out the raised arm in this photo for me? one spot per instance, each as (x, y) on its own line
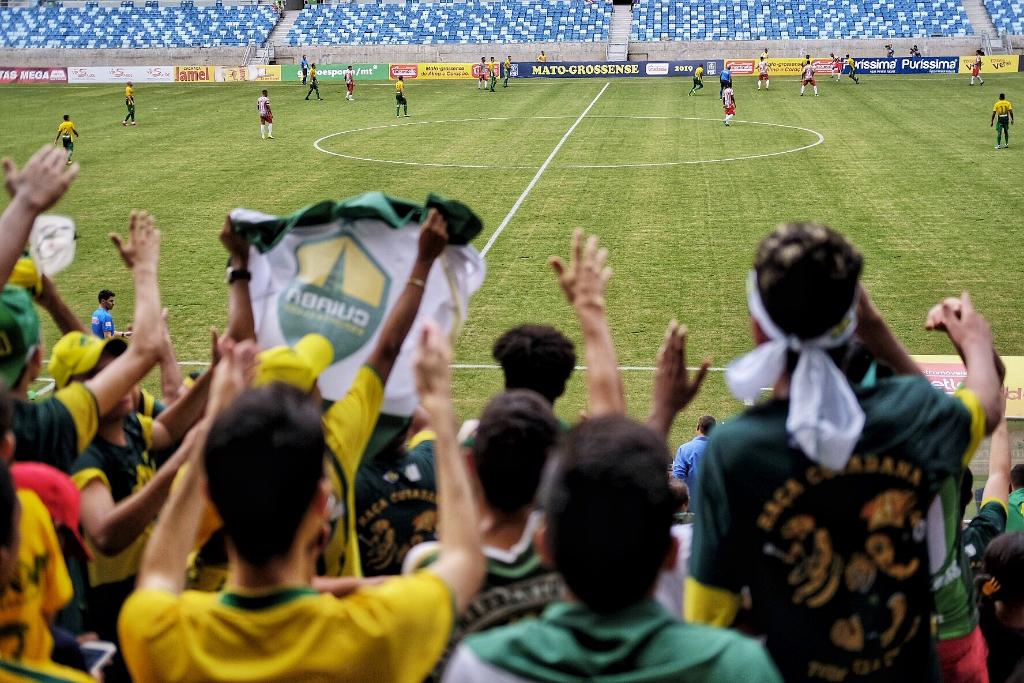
(997, 487)
(140, 252)
(972, 337)
(165, 559)
(171, 382)
(673, 389)
(172, 424)
(584, 282)
(460, 561)
(241, 324)
(44, 180)
(49, 298)
(874, 333)
(433, 240)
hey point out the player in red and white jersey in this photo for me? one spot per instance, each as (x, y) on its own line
(482, 75)
(837, 66)
(729, 103)
(976, 68)
(762, 73)
(808, 79)
(350, 83)
(266, 117)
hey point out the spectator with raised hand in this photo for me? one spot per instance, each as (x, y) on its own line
(607, 514)
(507, 453)
(34, 189)
(673, 388)
(536, 357)
(1001, 584)
(584, 282)
(57, 430)
(269, 624)
(839, 590)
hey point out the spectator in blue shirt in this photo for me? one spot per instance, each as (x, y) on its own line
(689, 455)
(102, 321)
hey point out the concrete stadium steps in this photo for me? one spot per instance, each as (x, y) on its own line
(281, 29)
(979, 17)
(618, 33)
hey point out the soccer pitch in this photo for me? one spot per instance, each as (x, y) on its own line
(905, 166)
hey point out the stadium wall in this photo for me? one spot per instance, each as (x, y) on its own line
(340, 54)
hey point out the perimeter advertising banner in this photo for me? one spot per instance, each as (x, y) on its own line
(194, 74)
(992, 64)
(613, 69)
(335, 72)
(11, 75)
(255, 72)
(779, 66)
(120, 74)
(907, 65)
(948, 373)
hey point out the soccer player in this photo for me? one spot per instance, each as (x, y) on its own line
(762, 73)
(400, 101)
(976, 68)
(481, 80)
(129, 101)
(698, 80)
(729, 103)
(508, 69)
(808, 78)
(1002, 117)
(65, 131)
(853, 69)
(837, 66)
(724, 81)
(350, 83)
(304, 66)
(764, 55)
(266, 117)
(492, 69)
(102, 322)
(313, 85)
(807, 60)
(542, 57)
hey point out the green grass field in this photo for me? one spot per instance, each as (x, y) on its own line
(907, 169)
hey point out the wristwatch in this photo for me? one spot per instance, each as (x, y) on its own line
(236, 274)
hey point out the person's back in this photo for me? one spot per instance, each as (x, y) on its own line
(686, 465)
(1015, 518)
(608, 510)
(536, 357)
(816, 500)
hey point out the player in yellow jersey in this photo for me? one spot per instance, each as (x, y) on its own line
(508, 69)
(542, 57)
(1002, 117)
(129, 101)
(492, 70)
(698, 80)
(852, 65)
(66, 134)
(400, 101)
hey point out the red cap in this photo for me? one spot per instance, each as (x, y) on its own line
(60, 496)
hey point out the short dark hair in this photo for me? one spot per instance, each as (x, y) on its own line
(681, 492)
(264, 92)
(264, 461)
(67, 117)
(515, 434)
(8, 505)
(536, 357)
(1002, 96)
(1017, 476)
(705, 424)
(104, 295)
(609, 511)
(807, 275)
(1004, 562)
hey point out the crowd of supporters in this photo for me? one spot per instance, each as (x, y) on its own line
(238, 530)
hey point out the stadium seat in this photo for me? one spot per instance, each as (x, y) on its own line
(1007, 15)
(128, 26)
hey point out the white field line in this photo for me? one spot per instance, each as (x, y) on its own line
(540, 172)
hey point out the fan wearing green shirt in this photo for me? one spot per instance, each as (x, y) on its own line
(1016, 518)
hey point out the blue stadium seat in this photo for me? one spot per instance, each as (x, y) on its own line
(128, 26)
(1007, 15)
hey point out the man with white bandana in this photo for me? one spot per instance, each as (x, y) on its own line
(816, 500)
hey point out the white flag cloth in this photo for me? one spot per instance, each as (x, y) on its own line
(825, 420)
(341, 279)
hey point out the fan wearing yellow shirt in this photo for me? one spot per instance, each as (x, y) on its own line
(129, 101)
(66, 133)
(400, 100)
(1002, 117)
(261, 451)
(34, 582)
(542, 57)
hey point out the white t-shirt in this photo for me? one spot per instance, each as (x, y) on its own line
(263, 105)
(669, 589)
(763, 67)
(727, 97)
(350, 76)
(808, 72)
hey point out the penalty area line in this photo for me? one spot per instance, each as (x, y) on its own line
(540, 171)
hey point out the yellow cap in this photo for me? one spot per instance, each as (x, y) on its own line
(298, 365)
(78, 353)
(25, 274)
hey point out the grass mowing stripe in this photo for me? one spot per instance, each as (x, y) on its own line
(540, 171)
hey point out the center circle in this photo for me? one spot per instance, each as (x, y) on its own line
(596, 145)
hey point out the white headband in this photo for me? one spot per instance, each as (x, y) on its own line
(825, 420)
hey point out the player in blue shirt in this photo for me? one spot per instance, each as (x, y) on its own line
(724, 81)
(102, 321)
(689, 455)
